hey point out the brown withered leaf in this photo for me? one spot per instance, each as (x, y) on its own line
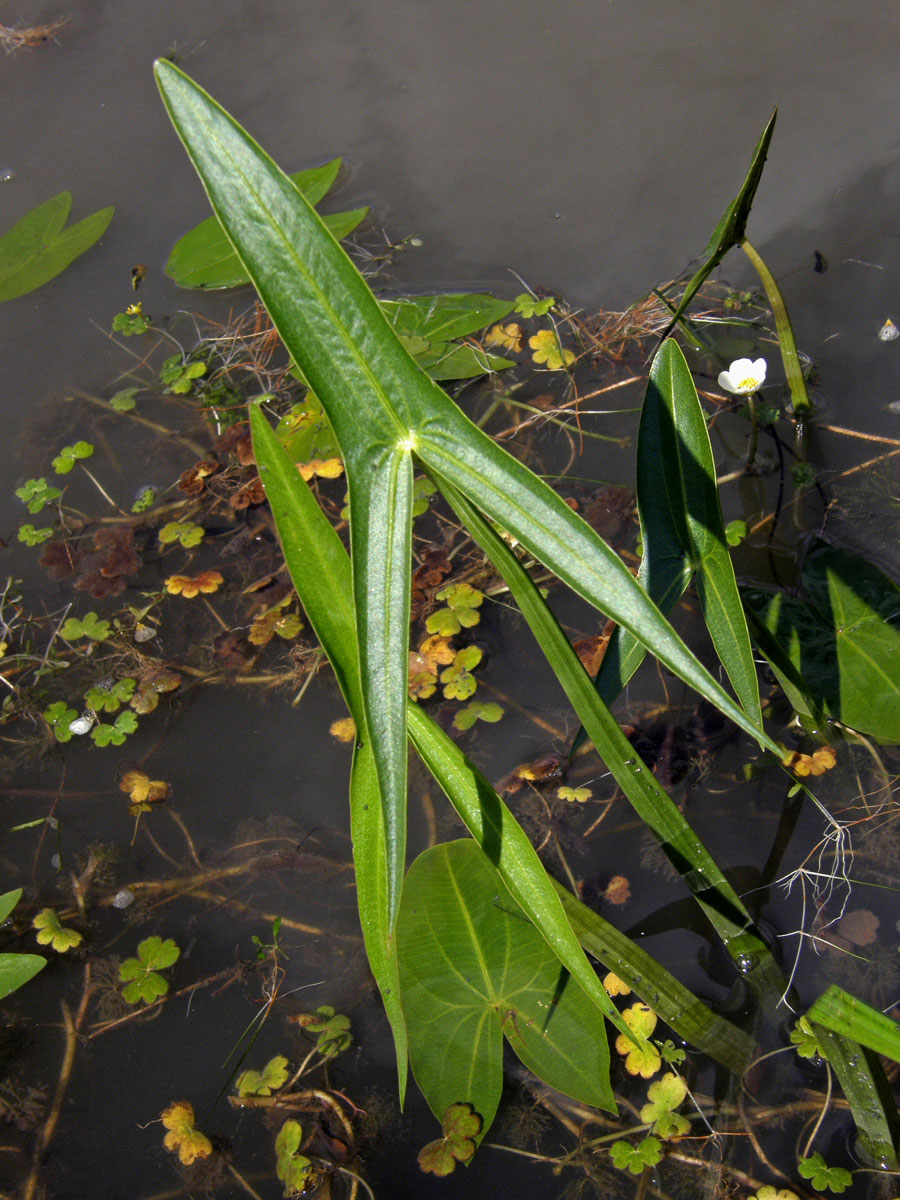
(431, 570)
(233, 439)
(541, 770)
(618, 890)
(116, 542)
(250, 493)
(232, 650)
(59, 560)
(610, 511)
(591, 650)
(193, 480)
(859, 928)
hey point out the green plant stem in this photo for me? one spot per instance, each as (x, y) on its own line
(754, 432)
(800, 400)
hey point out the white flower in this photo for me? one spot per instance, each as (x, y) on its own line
(744, 376)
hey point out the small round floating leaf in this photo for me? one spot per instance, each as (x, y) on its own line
(51, 932)
(182, 1137)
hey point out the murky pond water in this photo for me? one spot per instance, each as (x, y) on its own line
(588, 150)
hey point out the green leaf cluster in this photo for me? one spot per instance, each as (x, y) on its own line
(636, 1158)
(130, 323)
(124, 400)
(179, 376)
(263, 1083)
(110, 696)
(31, 536)
(143, 982)
(69, 455)
(59, 717)
(458, 680)
(529, 306)
(188, 533)
(114, 735)
(88, 626)
(333, 1030)
(36, 494)
(51, 932)
(461, 1126)
(478, 710)
(292, 1168)
(822, 1177)
(460, 611)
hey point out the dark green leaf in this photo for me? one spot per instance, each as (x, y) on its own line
(836, 650)
(205, 258)
(38, 248)
(444, 317)
(17, 969)
(474, 970)
(730, 229)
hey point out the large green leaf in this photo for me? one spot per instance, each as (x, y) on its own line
(383, 408)
(17, 969)
(730, 229)
(682, 530)
(38, 247)
(851, 1017)
(204, 257)
(836, 649)
(474, 970)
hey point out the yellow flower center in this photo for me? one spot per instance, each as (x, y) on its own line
(748, 385)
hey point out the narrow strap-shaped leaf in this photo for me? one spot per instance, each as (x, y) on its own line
(730, 229)
(716, 897)
(851, 1017)
(320, 570)
(381, 500)
(868, 1092)
(800, 401)
(686, 459)
(668, 997)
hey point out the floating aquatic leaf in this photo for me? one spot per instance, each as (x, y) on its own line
(109, 697)
(182, 1136)
(803, 1037)
(69, 455)
(547, 349)
(88, 626)
(141, 975)
(817, 763)
(33, 537)
(38, 248)
(114, 735)
(263, 1083)
(478, 710)
(52, 932)
(143, 790)
(132, 322)
(333, 1029)
(188, 533)
(530, 306)
(461, 1125)
(60, 717)
(644, 1059)
(36, 494)
(292, 1168)
(507, 337)
(614, 985)
(768, 1192)
(124, 400)
(822, 1177)
(461, 611)
(580, 795)
(664, 1096)
(635, 1158)
(458, 681)
(192, 585)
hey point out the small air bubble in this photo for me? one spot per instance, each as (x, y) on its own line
(123, 898)
(629, 762)
(6, 174)
(888, 332)
(56, 862)
(744, 963)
